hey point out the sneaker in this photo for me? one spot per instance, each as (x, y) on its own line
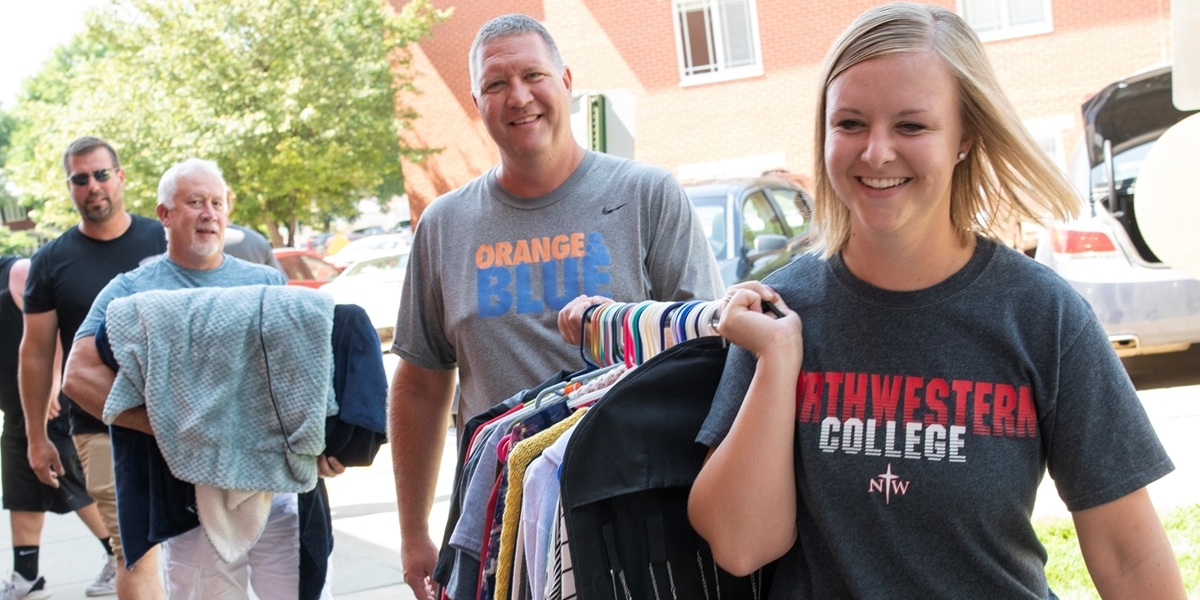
(106, 581)
(23, 589)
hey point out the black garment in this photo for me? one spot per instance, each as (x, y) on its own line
(25, 561)
(18, 483)
(11, 328)
(68, 273)
(626, 475)
(20, 486)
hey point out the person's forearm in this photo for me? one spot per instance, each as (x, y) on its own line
(88, 380)
(418, 407)
(135, 418)
(1126, 550)
(35, 380)
(743, 502)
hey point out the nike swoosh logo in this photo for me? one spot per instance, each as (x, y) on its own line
(26, 552)
(606, 210)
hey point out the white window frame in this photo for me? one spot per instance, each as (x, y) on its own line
(1006, 30)
(721, 73)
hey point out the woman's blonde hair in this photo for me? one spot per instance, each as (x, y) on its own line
(1005, 174)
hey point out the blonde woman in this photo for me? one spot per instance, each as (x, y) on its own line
(893, 447)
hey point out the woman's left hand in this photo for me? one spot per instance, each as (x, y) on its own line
(744, 322)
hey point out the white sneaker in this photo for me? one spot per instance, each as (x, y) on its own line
(23, 589)
(106, 581)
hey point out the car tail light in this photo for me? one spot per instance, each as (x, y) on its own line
(1073, 241)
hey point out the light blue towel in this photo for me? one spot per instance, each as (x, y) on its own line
(195, 359)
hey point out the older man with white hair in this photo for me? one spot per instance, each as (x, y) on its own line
(194, 209)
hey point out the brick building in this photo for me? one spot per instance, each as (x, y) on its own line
(728, 87)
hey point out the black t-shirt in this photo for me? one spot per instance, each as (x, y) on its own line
(68, 273)
(10, 342)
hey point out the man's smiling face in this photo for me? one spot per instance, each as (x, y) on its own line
(524, 98)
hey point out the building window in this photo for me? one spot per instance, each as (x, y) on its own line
(1049, 132)
(1000, 19)
(717, 40)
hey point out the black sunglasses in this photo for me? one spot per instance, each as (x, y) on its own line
(101, 176)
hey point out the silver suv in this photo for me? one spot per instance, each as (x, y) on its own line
(754, 225)
(1145, 306)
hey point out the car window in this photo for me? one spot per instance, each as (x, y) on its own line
(293, 267)
(758, 218)
(1127, 165)
(375, 265)
(712, 220)
(321, 270)
(795, 211)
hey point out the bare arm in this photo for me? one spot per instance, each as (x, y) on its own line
(36, 381)
(418, 406)
(743, 503)
(88, 381)
(17, 276)
(1126, 550)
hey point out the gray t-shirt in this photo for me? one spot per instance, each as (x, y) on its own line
(249, 245)
(165, 274)
(926, 419)
(489, 271)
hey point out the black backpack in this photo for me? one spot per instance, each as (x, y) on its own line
(626, 475)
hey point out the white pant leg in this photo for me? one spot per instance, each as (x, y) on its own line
(271, 567)
(195, 572)
(275, 557)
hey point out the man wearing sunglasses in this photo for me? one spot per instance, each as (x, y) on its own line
(65, 276)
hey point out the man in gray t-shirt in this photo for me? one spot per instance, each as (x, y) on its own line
(249, 245)
(552, 227)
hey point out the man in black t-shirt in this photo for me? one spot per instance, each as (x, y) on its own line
(64, 278)
(26, 498)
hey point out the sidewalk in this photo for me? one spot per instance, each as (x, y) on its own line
(366, 554)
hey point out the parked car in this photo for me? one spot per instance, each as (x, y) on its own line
(366, 232)
(305, 267)
(754, 226)
(374, 284)
(316, 243)
(1144, 306)
(375, 245)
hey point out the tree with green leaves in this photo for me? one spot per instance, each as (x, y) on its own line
(298, 101)
(11, 242)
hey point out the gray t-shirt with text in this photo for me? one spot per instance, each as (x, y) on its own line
(489, 271)
(926, 420)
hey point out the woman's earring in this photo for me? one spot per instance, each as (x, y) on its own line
(962, 155)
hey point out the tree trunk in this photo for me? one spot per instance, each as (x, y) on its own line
(291, 225)
(273, 231)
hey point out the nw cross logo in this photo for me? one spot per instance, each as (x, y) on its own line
(887, 484)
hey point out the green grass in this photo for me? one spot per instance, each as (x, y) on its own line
(1069, 577)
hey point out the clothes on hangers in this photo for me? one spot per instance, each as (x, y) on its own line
(518, 461)
(539, 512)
(504, 540)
